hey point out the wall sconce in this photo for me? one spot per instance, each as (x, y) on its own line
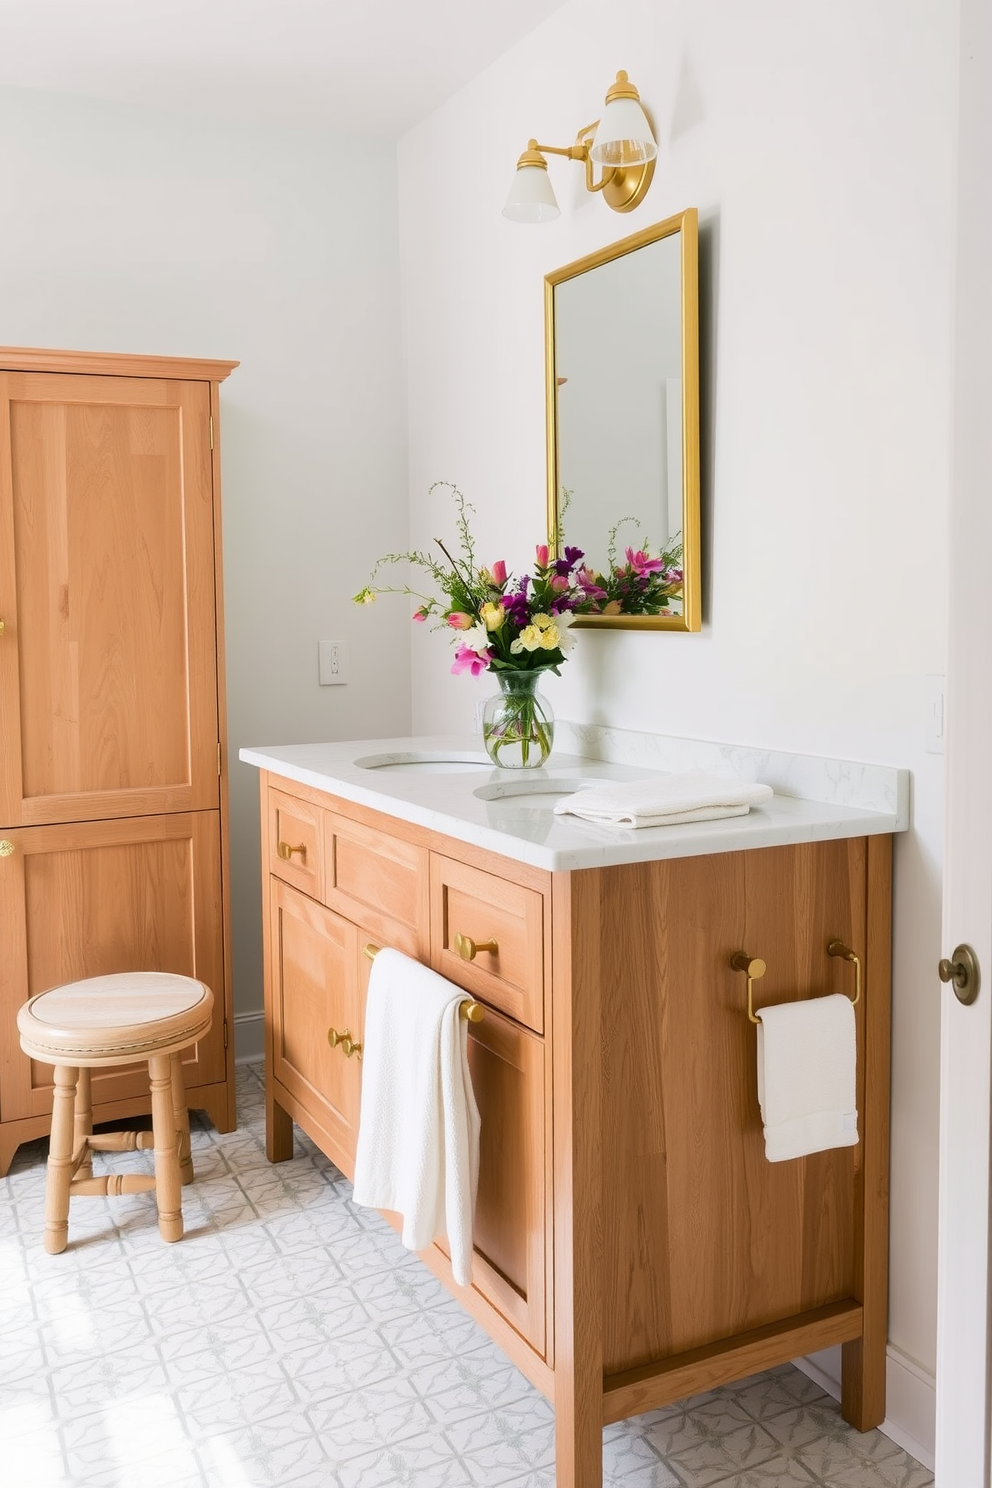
(621, 143)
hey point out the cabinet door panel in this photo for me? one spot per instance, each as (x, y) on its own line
(315, 987)
(510, 1238)
(381, 882)
(107, 668)
(93, 898)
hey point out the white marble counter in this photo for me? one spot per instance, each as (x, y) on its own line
(449, 785)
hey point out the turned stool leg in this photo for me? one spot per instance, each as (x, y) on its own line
(59, 1173)
(167, 1179)
(180, 1116)
(83, 1122)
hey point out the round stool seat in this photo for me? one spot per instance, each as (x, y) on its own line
(108, 1020)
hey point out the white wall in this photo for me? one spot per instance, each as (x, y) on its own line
(818, 143)
(131, 230)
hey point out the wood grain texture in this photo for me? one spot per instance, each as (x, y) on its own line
(113, 364)
(704, 1237)
(297, 827)
(635, 1391)
(580, 1157)
(111, 636)
(484, 907)
(92, 898)
(315, 987)
(378, 881)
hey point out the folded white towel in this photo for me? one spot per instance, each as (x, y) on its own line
(418, 1134)
(807, 1061)
(664, 800)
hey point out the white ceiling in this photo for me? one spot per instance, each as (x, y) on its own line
(361, 65)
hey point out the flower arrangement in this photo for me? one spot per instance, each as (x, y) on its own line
(501, 623)
(520, 627)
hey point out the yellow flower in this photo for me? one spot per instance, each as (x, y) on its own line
(492, 616)
(364, 596)
(543, 622)
(550, 638)
(529, 639)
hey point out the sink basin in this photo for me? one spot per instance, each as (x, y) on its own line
(425, 762)
(533, 791)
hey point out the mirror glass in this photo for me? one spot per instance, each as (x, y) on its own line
(623, 420)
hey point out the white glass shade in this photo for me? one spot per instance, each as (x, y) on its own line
(624, 135)
(531, 197)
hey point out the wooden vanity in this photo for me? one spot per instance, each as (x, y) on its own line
(632, 1243)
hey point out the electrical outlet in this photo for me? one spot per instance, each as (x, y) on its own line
(332, 663)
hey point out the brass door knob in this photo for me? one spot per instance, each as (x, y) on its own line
(963, 972)
(344, 1042)
(468, 948)
(286, 852)
(6, 848)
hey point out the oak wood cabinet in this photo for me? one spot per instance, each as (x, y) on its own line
(113, 790)
(632, 1243)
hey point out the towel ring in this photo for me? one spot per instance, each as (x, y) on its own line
(753, 968)
(472, 1012)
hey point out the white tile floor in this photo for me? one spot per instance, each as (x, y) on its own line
(289, 1340)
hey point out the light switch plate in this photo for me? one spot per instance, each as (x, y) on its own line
(332, 663)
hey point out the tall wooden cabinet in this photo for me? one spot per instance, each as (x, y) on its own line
(113, 791)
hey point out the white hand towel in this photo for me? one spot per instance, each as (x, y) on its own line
(664, 800)
(807, 1061)
(418, 1133)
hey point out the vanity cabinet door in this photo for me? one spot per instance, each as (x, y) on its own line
(510, 1230)
(379, 881)
(316, 1007)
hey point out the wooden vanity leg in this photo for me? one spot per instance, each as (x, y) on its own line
(577, 1037)
(278, 1129)
(863, 1360)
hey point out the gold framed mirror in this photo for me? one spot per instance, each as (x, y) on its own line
(622, 369)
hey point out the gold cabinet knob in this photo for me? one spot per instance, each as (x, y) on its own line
(6, 848)
(963, 972)
(286, 852)
(468, 948)
(344, 1042)
(3, 627)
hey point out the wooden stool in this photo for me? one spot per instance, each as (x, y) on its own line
(97, 1024)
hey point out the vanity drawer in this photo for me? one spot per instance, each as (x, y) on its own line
(379, 882)
(295, 842)
(469, 904)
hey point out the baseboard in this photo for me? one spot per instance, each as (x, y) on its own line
(249, 1037)
(910, 1398)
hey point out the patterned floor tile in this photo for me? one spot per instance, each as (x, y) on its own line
(290, 1341)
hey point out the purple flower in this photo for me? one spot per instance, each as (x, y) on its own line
(642, 564)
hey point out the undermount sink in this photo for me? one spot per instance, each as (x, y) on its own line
(425, 762)
(535, 790)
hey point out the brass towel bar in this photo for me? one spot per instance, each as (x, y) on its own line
(753, 968)
(472, 1012)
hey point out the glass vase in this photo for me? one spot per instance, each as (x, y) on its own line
(518, 726)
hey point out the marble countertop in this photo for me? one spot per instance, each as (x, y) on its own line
(448, 785)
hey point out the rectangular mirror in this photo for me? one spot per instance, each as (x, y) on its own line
(622, 356)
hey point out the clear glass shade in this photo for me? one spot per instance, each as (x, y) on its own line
(624, 135)
(531, 197)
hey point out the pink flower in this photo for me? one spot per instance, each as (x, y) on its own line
(458, 620)
(559, 583)
(498, 572)
(642, 564)
(420, 615)
(467, 660)
(542, 555)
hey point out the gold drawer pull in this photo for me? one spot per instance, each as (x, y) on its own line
(468, 948)
(6, 848)
(286, 852)
(3, 627)
(344, 1041)
(472, 1012)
